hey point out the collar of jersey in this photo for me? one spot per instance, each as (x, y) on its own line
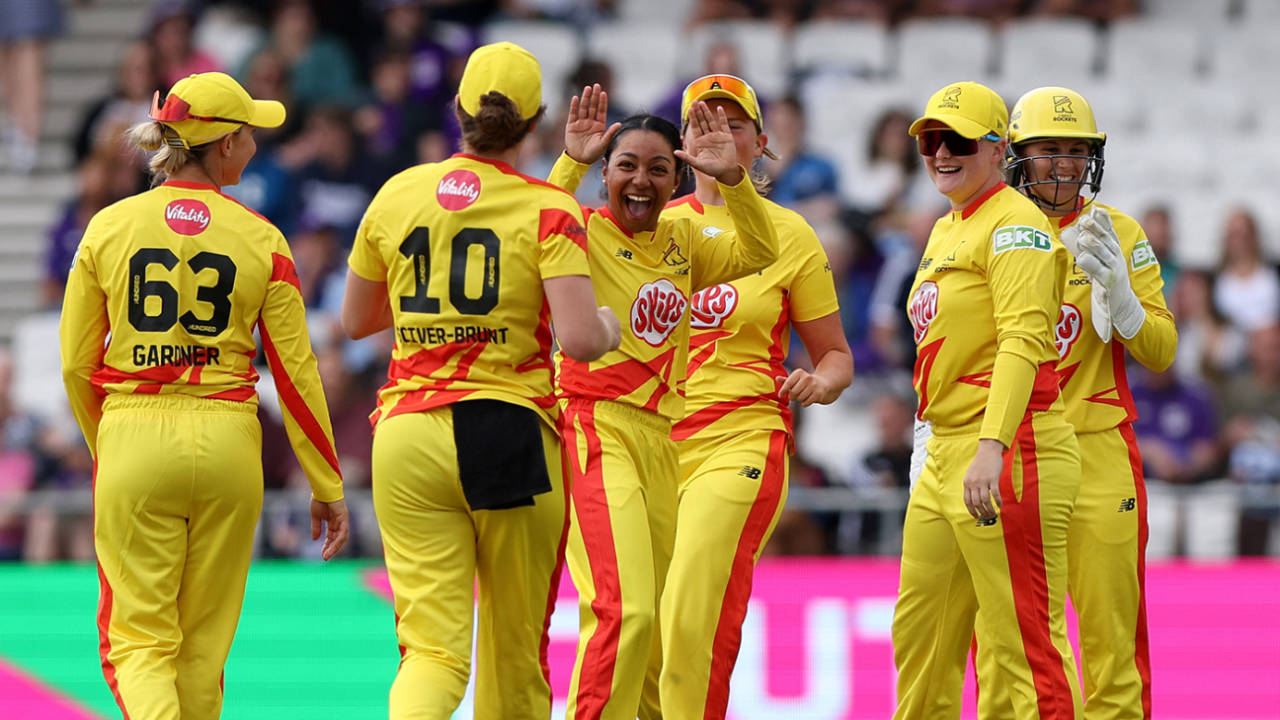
(504, 167)
(691, 200)
(188, 185)
(972, 207)
(1070, 217)
(604, 211)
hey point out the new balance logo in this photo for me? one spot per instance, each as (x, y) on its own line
(623, 253)
(988, 522)
(1127, 505)
(750, 472)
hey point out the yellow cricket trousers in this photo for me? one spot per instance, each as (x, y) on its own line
(436, 548)
(176, 496)
(623, 464)
(1013, 567)
(732, 489)
(1106, 547)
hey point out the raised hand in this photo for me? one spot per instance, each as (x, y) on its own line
(710, 148)
(586, 131)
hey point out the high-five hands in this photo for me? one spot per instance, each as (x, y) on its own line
(587, 131)
(709, 145)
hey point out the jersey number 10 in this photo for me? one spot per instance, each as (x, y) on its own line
(417, 248)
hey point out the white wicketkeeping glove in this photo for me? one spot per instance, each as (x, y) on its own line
(921, 433)
(1097, 252)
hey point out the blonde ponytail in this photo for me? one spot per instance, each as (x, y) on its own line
(153, 136)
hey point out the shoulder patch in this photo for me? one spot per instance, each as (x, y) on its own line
(1017, 237)
(1143, 255)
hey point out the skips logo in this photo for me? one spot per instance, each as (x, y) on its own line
(924, 308)
(458, 189)
(711, 306)
(1070, 320)
(186, 216)
(657, 310)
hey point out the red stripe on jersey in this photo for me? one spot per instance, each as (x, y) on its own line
(616, 381)
(1141, 644)
(554, 221)
(1122, 383)
(402, 647)
(920, 373)
(1066, 373)
(607, 215)
(691, 200)
(423, 366)
(292, 400)
(1024, 547)
(158, 375)
(972, 207)
(1045, 389)
(591, 505)
(283, 270)
(240, 394)
(702, 346)
(703, 418)
(733, 609)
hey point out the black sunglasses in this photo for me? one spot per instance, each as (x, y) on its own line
(930, 140)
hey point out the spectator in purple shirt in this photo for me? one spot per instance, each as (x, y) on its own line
(1177, 428)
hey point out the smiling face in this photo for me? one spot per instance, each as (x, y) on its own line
(640, 175)
(1056, 180)
(963, 177)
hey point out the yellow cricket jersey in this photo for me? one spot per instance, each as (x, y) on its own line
(648, 279)
(983, 307)
(163, 297)
(741, 330)
(463, 246)
(1095, 389)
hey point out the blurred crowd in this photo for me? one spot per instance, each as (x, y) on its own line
(368, 87)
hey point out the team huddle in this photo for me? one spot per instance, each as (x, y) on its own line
(607, 387)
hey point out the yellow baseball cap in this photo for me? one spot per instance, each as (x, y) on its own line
(969, 108)
(724, 87)
(506, 68)
(202, 108)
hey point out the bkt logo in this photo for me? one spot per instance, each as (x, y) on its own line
(711, 306)
(657, 310)
(1015, 237)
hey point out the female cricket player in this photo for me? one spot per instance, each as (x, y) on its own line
(986, 523)
(157, 344)
(735, 437)
(469, 262)
(620, 409)
(1113, 300)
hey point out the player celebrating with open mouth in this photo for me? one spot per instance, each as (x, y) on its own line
(986, 523)
(619, 409)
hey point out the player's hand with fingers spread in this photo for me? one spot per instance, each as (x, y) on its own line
(982, 480)
(710, 149)
(808, 388)
(337, 525)
(587, 131)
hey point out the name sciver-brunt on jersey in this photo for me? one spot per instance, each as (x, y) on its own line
(461, 334)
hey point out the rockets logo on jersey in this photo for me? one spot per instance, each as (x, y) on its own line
(187, 216)
(710, 307)
(657, 311)
(1070, 320)
(458, 189)
(924, 308)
